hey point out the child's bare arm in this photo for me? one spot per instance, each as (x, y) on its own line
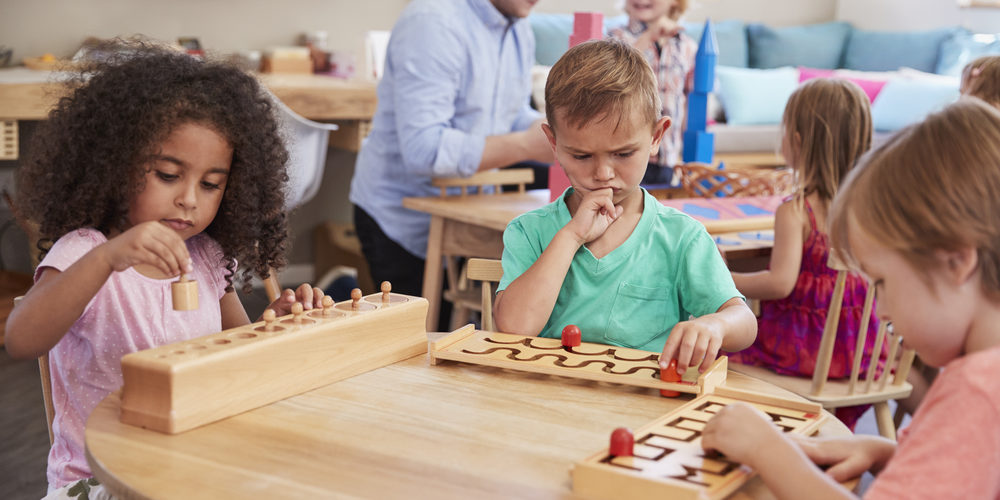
(778, 281)
(697, 342)
(742, 433)
(58, 299)
(525, 305)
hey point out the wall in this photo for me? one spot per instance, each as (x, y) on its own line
(899, 15)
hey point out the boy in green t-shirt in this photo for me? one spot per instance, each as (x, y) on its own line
(607, 256)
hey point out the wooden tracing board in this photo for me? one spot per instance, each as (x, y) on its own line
(668, 460)
(589, 361)
(176, 387)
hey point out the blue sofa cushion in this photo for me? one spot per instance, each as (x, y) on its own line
(813, 45)
(908, 100)
(755, 96)
(961, 48)
(552, 33)
(732, 38)
(889, 51)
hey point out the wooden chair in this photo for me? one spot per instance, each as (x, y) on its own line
(46, 379)
(461, 293)
(836, 393)
(488, 271)
(706, 181)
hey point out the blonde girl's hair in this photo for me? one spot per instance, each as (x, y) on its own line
(981, 78)
(933, 186)
(601, 79)
(832, 120)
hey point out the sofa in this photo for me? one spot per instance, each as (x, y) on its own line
(905, 74)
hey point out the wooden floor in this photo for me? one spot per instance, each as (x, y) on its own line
(23, 433)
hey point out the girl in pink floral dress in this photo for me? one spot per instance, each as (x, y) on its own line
(826, 128)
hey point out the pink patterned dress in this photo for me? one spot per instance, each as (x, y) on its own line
(789, 330)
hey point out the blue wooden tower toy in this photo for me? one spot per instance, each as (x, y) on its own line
(699, 144)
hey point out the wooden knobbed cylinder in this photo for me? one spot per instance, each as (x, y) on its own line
(185, 294)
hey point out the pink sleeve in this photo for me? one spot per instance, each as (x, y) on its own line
(70, 248)
(952, 448)
(211, 255)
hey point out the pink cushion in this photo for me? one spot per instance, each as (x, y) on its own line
(870, 87)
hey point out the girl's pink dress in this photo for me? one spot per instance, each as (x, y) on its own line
(789, 329)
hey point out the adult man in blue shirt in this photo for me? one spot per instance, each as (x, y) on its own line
(453, 100)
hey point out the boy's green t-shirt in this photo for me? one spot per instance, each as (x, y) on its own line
(666, 271)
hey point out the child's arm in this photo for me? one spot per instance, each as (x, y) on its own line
(744, 434)
(660, 29)
(732, 328)
(525, 305)
(58, 299)
(778, 281)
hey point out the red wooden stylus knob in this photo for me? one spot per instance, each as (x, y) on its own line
(622, 442)
(571, 336)
(669, 374)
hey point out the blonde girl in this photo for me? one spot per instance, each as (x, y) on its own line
(826, 127)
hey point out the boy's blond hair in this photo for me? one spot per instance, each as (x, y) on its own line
(601, 79)
(981, 78)
(933, 186)
(833, 121)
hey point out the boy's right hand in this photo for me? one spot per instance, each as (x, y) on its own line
(149, 244)
(594, 215)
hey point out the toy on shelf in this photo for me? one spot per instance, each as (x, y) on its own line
(586, 360)
(699, 144)
(664, 459)
(176, 387)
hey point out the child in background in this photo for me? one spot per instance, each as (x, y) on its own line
(826, 126)
(653, 29)
(155, 164)
(920, 216)
(981, 78)
(607, 256)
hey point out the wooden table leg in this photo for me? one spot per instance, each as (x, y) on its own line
(433, 272)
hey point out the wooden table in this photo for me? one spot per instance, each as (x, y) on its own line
(29, 94)
(472, 226)
(402, 431)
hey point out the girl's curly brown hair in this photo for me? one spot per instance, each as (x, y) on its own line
(88, 160)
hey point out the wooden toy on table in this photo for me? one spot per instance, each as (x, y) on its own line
(590, 361)
(176, 387)
(184, 293)
(667, 461)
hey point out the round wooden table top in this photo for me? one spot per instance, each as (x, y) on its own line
(406, 430)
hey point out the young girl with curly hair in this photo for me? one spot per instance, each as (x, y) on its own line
(153, 165)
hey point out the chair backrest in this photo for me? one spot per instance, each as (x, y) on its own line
(876, 388)
(706, 181)
(896, 368)
(495, 178)
(50, 411)
(307, 142)
(489, 271)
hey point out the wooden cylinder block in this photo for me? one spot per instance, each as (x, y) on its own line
(184, 293)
